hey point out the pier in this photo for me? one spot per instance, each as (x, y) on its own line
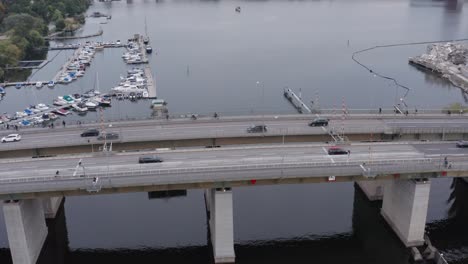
(296, 101)
(150, 83)
(33, 64)
(65, 66)
(99, 33)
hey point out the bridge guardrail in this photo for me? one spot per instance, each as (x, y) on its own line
(321, 169)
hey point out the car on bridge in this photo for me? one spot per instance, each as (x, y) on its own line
(462, 144)
(256, 129)
(319, 121)
(149, 159)
(108, 136)
(90, 133)
(337, 151)
(11, 138)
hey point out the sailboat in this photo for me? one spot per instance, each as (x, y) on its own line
(146, 38)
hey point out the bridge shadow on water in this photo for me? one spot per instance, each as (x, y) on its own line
(371, 241)
(450, 235)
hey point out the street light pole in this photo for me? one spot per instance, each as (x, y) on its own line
(262, 107)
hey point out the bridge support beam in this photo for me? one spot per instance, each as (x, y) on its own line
(51, 206)
(219, 205)
(405, 204)
(372, 189)
(26, 229)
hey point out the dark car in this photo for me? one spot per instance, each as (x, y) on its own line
(337, 151)
(108, 136)
(90, 133)
(149, 159)
(256, 129)
(319, 122)
(462, 144)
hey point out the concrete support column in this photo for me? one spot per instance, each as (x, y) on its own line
(26, 229)
(221, 225)
(404, 208)
(372, 189)
(51, 206)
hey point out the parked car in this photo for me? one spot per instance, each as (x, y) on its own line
(462, 144)
(108, 136)
(337, 151)
(256, 129)
(90, 133)
(149, 159)
(320, 121)
(11, 138)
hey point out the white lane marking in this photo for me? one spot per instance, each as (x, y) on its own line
(431, 149)
(324, 150)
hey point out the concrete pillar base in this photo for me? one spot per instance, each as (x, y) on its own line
(51, 206)
(404, 208)
(26, 229)
(221, 225)
(372, 189)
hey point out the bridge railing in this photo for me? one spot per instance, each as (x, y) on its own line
(142, 175)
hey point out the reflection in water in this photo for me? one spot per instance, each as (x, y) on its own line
(451, 235)
(379, 241)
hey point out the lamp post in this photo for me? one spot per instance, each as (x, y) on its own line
(262, 106)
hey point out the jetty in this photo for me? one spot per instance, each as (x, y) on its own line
(31, 64)
(99, 33)
(296, 101)
(150, 83)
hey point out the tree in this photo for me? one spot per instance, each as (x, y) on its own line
(9, 54)
(60, 24)
(22, 23)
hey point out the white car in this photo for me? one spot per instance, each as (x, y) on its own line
(11, 138)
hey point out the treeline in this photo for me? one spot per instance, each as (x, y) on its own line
(24, 23)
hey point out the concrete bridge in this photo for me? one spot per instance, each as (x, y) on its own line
(399, 172)
(173, 133)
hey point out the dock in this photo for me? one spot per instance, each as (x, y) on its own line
(296, 101)
(150, 83)
(32, 64)
(99, 33)
(65, 66)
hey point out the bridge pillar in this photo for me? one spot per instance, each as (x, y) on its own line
(51, 206)
(26, 229)
(219, 202)
(372, 189)
(404, 208)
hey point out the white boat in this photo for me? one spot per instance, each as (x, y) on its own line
(91, 105)
(60, 101)
(39, 84)
(79, 108)
(42, 107)
(37, 120)
(101, 101)
(20, 114)
(61, 111)
(51, 84)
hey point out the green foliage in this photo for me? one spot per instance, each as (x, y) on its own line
(25, 23)
(60, 24)
(455, 108)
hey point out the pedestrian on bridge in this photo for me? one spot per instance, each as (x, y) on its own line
(63, 123)
(380, 110)
(445, 162)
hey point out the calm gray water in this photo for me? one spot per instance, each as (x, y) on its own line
(208, 58)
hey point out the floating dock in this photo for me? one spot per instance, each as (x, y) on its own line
(65, 66)
(150, 83)
(296, 101)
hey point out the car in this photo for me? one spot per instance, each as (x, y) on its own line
(462, 144)
(11, 138)
(337, 151)
(149, 159)
(320, 121)
(256, 129)
(108, 136)
(90, 133)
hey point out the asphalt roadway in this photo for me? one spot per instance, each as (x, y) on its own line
(195, 157)
(200, 129)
